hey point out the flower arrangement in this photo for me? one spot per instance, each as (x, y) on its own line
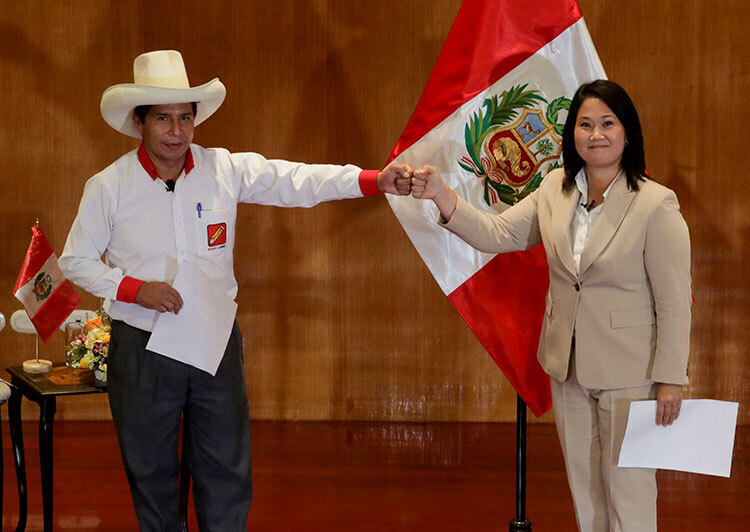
(89, 349)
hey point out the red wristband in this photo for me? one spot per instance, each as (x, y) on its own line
(128, 289)
(368, 182)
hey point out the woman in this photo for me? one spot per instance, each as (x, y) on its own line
(617, 322)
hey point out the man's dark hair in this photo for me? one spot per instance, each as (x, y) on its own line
(142, 110)
(633, 158)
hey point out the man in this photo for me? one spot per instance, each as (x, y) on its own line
(167, 203)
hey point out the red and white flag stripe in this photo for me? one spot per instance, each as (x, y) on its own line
(41, 287)
(496, 49)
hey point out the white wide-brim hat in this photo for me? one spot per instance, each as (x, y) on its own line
(159, 78)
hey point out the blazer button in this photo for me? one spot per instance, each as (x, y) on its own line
(578, 287)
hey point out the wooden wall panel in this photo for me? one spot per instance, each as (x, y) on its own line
(341, 319)
(56, 58)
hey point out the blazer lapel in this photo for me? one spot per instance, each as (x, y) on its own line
(613, 211)
(562, 214)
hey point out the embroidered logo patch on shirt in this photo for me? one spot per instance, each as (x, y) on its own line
(217, 235)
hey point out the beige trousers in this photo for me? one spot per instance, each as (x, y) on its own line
(591, 425)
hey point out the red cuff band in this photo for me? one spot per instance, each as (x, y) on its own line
(368, 182)
(128, 289)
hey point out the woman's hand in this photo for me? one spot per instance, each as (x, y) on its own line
(668, 402)
(427, 184)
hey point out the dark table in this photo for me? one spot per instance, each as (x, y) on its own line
(43, 389)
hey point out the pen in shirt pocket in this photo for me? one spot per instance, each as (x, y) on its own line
(199, 208)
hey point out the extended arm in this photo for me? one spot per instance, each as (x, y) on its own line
(515, 229)
(289, 184)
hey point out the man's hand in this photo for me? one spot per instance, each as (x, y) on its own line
(396, 179)
(668, 402)
(159, 296)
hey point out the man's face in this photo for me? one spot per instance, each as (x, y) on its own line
(167, 132)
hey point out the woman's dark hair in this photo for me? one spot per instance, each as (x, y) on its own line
(633, 158)
(142, 110)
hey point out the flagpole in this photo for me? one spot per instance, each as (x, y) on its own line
(37, 365)
(520, 523)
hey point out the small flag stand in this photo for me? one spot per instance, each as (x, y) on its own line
(37, 365)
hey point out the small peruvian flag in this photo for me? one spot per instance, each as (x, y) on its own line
(46, 294)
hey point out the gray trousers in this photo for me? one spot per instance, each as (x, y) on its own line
(148, 395)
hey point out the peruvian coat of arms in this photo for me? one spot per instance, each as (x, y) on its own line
(513, 142)
(42, 286)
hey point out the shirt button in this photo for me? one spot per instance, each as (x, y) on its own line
(578, 287)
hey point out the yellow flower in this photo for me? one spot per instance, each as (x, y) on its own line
(87, 360)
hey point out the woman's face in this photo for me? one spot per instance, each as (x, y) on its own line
(599, 135)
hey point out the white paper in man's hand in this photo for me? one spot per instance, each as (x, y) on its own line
(198, 335)
(701, 440)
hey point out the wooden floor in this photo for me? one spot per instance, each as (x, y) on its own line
(371, 477)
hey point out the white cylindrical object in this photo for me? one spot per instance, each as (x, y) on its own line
(37, 366)
(21, 323)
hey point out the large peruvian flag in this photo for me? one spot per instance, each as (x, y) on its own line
(490, 119)
(46, 294)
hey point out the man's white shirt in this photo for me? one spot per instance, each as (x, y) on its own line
(145, 232)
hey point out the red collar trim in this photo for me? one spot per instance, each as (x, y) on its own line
(189, 163)
(145, 161)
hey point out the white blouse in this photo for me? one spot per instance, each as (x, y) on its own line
(583, 220)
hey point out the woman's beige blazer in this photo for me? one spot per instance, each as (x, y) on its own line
(629, 305)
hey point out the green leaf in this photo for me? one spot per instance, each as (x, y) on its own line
(466, 167)
(487, 192)
(491, 106)
(553, 110)
(501, 188)
(513, 99)
(509, 199)
(471, 135)
(532, 185)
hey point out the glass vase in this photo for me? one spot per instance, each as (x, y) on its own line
(72, 330)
